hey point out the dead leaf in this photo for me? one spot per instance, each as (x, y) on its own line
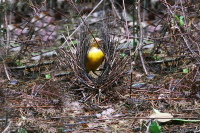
(162, 115)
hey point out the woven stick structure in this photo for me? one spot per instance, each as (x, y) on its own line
(112, 68)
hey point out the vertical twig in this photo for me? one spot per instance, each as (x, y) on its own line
(144, 11)
(141, 39)
(127, 34)
(6, 71)
(50, 5)
(0, 30)
(115, 10)
(7, 31)
(131, 60)
(82, 23)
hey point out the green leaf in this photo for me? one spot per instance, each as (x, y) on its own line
(150, 41)
(60, 129)
(196, 103)
(16, 44)
(156, 57)
(18, 63)
(22, 130)
(154, 128)
(24, 118)
(148, 51)
(186, 120)
(122, 54)
(185, 70)
(72, 42)
(181, 20)
(156, 111)
(131, 44)
(127, 106)
(44, 50)
(47, 76)
(176, 17)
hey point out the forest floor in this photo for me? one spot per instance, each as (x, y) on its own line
(151, 72)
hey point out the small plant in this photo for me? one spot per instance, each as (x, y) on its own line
(18, 63)
(22, 130)
(156, 57)
(180, 19)
(154, 128)
(185, 70)
(122, 55)
(47, 76)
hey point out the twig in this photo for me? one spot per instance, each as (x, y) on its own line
(6, 71)
(180, 80)
(113, 118)
(141, 38)
(127, 34)
(20, 16)
(182, 35)
(115, 9)
(84, 21)
(81, 23)
(30, 66)
(5, 130)
(7, 33)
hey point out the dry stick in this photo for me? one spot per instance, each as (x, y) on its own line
(57, 11)
(182, 35)
(5, 130)
(109, 83)
(82, 23)
(180, 80)
(85, 24)
(4, 65)
(187, 26)
(141, 38)
(113, 118)
(154, 14)
(69, 55)
(19, 16)
(151, 38)
(7, 31)
(183, 10)
(127, 34)
(74, 62)
(115, 9)
(72, 49)
(194, 25)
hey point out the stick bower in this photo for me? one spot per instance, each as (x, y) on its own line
(111, 69)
